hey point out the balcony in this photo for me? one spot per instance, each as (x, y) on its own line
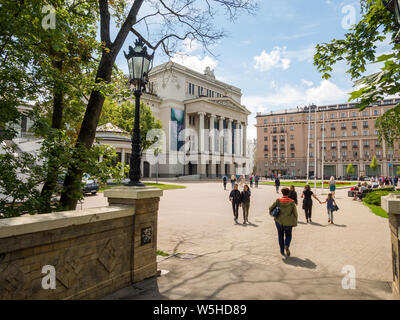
(354, 127)
(292, 149)
(275, 149)
(282, 149)
(365, 126)
(343, 128)
(344, 147)
(333, 128)
(265, 149)
(366, 146)
(355, 146)
(333, 147)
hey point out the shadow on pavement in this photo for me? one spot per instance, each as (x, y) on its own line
(144, 290)
(297, 262)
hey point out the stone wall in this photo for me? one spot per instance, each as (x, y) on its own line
(94, 251)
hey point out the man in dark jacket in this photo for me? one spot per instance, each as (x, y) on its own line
(277, 184)
(224, 181)
(235, 198)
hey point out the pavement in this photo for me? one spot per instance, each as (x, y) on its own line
(211, 257)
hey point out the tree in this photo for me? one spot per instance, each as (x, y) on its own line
(54, 67)
(374, 164)
(358, 49)
(350, 169)
(122, 116)
(164, 24)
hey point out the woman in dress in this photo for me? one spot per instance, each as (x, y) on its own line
(332, 186)
(307, 201)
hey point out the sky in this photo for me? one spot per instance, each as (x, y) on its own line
(269, 55)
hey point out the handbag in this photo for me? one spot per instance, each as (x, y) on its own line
(335, 208)
(277, 210)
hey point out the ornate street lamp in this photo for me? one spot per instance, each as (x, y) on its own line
(139, 64)
(394, 7)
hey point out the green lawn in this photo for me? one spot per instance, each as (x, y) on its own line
(302, 184)
(159, 185)
(377, 210)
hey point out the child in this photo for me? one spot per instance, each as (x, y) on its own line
(330, 205)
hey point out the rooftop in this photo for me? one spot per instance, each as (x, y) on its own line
(324, 108)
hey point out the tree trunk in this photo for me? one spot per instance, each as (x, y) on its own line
(56, 123)
(87, 133)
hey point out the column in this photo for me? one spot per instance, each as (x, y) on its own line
(123, 156)
(391, 204)
(244, 140)
(229, 137)
(212, 134)
(385, 158)
(237, 138)
(361, 166)
(201, 131)
(221, 135)
(201, 165)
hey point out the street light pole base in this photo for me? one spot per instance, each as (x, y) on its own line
(135, 184)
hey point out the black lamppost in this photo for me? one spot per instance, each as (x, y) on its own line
(139, 64)
(394, 7)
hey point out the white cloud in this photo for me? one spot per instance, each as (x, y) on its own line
(195, 62)
(289, 96)
(190, 45)
(190, 59)
(307, 83)
(275, 59)
(281, 58)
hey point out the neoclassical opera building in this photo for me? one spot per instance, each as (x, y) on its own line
(204, 125)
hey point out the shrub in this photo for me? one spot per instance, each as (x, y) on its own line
(374, 198)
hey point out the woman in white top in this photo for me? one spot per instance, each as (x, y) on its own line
(332, 186)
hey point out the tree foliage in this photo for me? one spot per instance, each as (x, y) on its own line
(350, 169)
(359, 49)
(374, 163)
(122, 115)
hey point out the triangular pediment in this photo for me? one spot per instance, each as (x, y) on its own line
(225, 102)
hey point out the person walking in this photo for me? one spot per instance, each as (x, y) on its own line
(224, 181)
(330, 207)
(242, 180)
(277, 184)
(235, 199)
(245, 203)
(251, 181)
(286, 220)
(332, 185)
(256, 179)
(307, 202)
(233, 180)
(293, 194)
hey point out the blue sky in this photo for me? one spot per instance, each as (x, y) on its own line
(270, 55)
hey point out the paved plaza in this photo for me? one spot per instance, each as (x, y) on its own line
(211, 257)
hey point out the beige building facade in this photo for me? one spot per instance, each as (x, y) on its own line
(336, 135)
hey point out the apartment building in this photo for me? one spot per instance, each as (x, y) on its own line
(335, 135)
